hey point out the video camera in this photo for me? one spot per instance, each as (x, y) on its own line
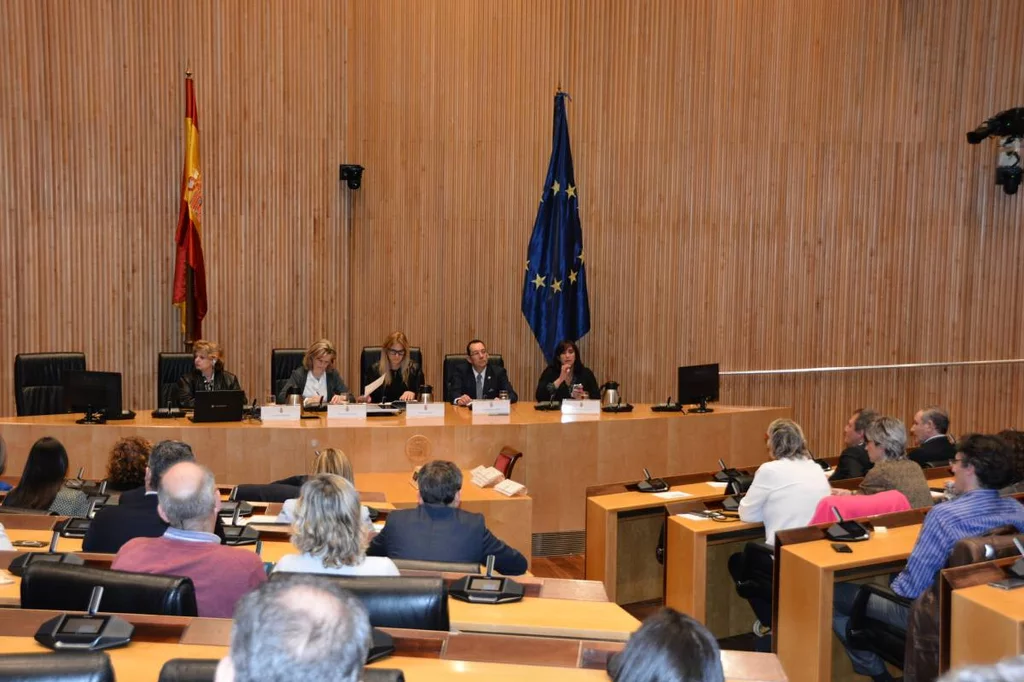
(1009, 126)
(1005, 123)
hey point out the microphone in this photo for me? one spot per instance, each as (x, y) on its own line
(668, 401)
(647, 474)
(839, 517)
(721, 464)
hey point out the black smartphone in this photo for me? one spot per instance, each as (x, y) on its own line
(841, 548)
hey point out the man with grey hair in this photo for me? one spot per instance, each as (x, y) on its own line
(437, 530)
(135, 515)
(188, 501)
(931, 431)
(299, 628)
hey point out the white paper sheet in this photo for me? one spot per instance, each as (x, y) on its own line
(373, 385)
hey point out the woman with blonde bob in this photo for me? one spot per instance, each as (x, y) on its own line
(403, 378)
(316, 380)
(208, 375)
(329, 534)
(328, 461)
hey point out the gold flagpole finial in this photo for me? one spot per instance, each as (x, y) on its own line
(188, 69)
(559, 86)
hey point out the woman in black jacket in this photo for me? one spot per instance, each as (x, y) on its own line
(566, 371)
(208, 375)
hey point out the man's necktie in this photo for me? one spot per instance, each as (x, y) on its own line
(479, 386)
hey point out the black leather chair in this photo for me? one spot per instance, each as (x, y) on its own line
(407, 602)
(371, 356)
(189, 670)
(169, 368)
(452, 363)
(864, 632)
(284, 361)
(755, 580)
(58, 587)
(264, 492)
(39, 382)
(383, 675)
(86, 666)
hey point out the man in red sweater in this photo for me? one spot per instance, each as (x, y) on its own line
(189, 502)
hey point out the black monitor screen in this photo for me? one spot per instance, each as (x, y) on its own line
(485, 584)
(697, 383)
(82, 626)
(96, 390)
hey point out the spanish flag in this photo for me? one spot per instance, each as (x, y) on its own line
(189, 269)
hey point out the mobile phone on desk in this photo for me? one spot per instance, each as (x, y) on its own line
(841, 548)
(1008, 583)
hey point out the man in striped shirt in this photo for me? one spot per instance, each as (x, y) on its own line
(982, 465)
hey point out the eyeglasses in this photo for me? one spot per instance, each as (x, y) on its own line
(397, 352)
(957, 460)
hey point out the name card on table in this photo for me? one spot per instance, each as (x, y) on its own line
(581, 407)
(347, 411)
(281, 413)
(424, 410)
(493, 407)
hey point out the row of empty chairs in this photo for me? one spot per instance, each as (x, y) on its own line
(39, 388)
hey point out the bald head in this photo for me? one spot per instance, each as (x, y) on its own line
(188, 497)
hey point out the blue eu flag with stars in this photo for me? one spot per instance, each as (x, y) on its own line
(555, 299)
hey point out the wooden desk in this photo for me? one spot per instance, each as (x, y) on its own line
(987, 625)
(562, 456)
(697, 580)
(806, 578)
(545, 618)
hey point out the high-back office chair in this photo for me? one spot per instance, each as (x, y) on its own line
(264, 492)
(371, 356)
(39, 381)
(920, 659)
(454, 361)
(506, 460)
(81, 666)
(61, 587)
(404, 602)
(170, 367)
(284, 361)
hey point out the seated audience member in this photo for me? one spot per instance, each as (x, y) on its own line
(188, 501)
(1006, 670)
(208, 375)
(42, 482)
(891, 470)
(329, 461)
(4, 485)
(784, 494)
(567, 377)
(478, 379)
(1015, 441)
(298, 628)
(437, 530)
(981, 466)
(853, 460)
(126, 468)
(931, 431)
(330, 534)
(668, 647)
(403, 378)
(135, 515)
(316, 380)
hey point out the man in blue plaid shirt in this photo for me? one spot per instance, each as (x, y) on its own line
(982, 465)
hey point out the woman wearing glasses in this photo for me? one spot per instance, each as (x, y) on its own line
(403, 378)
(316, 380)
(886, 443)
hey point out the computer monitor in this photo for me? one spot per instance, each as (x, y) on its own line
(93, 392)
(698, 385)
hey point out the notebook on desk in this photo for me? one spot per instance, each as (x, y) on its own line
(218, 406)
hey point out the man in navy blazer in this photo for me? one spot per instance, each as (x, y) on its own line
(437, 530)
(478, 378)
(135, 515)
(931, 430)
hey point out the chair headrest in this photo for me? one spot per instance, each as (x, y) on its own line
(189, 670)
(92, 666)
(972, 550)
(439, 566)
(68, 588)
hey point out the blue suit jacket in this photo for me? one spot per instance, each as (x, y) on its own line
(495, 380)
(433, 532)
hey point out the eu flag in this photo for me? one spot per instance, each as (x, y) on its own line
(555, 299)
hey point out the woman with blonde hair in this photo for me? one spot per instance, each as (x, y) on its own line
(316, 380)
(329, 534)
(328, 461)
(208, 375)
(403, 378)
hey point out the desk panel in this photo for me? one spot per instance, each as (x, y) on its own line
(987, 625)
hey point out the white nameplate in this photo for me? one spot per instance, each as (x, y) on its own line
(422, 410)
(281, 413)
(347, 411)
(492, 407)
(581, 407)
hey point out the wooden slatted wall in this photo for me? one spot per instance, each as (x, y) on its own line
(766, 184)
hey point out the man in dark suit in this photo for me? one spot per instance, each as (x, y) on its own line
(853, 460)
(437, 530)
(931, 430)
(135, 515)
(478, 379)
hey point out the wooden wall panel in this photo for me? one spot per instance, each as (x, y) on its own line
(766, 184)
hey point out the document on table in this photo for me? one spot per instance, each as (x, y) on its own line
(673, 495)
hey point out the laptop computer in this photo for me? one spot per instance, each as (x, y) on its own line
(218, 406)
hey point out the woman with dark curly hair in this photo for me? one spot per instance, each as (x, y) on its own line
(126, 468)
